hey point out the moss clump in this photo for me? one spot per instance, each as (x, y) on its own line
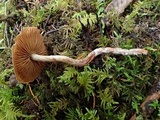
(111, 87)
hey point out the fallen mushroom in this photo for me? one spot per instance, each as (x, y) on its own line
(29, 55)
(27, 43)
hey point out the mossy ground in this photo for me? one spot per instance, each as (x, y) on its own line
(111, 87)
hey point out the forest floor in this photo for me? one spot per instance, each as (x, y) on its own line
(111, 87)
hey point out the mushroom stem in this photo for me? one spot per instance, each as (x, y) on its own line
(89, 57)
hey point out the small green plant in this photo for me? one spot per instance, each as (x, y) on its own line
(139, 10)
(59, 104)
(2, 25)
(8, 111)
(78, 114)
(155, 105)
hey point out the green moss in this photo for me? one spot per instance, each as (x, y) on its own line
(111, 87)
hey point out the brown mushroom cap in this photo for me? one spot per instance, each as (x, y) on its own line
(28, 42)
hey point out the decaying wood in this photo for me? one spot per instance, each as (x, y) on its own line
(118, 6)
(154, 94)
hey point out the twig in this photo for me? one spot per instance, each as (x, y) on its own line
(154, 95)
(115, 7)
(94, 100)
(47, 20)
(50, 32)
(30, 89)
(118, 6)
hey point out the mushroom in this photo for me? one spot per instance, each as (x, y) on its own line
(29, 55)
(28, 42)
